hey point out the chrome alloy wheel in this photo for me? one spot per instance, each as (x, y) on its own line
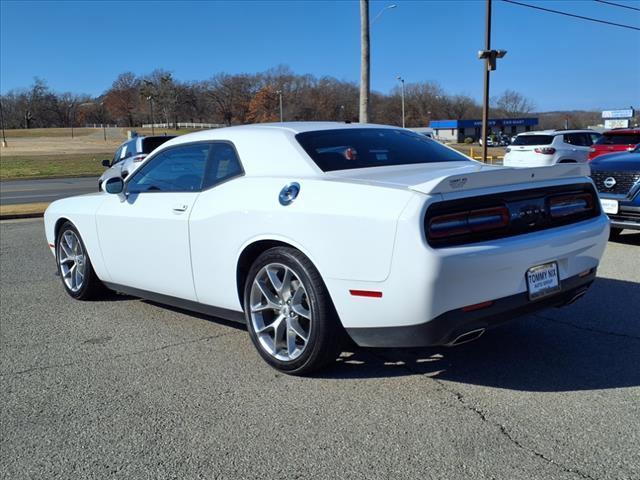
(280, 312)
(72, 260)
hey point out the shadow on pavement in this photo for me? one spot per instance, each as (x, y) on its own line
(593, 344)
(628, 237)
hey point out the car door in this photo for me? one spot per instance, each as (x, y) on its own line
(579, 144)
(144, 232)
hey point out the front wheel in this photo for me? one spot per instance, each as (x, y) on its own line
(290, 316)
(74, 265)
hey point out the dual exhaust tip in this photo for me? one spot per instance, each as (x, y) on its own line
(472, 335)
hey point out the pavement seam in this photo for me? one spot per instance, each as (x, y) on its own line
(484, 418)
(123, 355)
(587, 329)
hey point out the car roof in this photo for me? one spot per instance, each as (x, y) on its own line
(557, 132)
(269, 149)
(623, 131)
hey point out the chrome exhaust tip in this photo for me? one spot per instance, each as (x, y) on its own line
(467, 337)
(576, 297)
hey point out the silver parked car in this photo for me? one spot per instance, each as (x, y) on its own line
(129, 156)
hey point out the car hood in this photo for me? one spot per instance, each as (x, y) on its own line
(619, 162)
(446, 177)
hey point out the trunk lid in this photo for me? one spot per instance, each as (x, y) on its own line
(441, 178)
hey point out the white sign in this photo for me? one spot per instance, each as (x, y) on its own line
(626, 113)
(616, 123)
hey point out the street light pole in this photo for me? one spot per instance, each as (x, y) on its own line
(489, 56)
(71, 118)
(402, 95)
(279, 92)
(485, 100)
(150, 98)
(4, 139)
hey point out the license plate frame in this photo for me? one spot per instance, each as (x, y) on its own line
(609, 205)
(543, 280)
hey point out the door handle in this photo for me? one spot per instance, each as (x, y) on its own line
(180, 208)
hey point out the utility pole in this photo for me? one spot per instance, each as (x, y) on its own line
(279, 92)
(4, 139)
(402, 95)
(489, 56)
(365, 67)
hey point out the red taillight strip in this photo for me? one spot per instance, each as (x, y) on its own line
(366, 293)
(477, 306)
(468, 222)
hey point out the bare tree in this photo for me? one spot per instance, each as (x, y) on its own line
(122, 100)
(514, 104)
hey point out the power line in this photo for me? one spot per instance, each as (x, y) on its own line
(630, 27)
(617, 5)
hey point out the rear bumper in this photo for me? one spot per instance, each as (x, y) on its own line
(447, 327)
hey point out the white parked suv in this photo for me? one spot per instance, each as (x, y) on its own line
(130, 155)
(548, 147)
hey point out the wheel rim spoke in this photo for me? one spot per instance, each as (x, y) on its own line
(72, 260)
(296, 303)
(279, 312)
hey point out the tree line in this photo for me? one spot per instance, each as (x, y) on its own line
(245, 98)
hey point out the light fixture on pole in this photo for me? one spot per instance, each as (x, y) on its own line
(402, 95)
(489, 56)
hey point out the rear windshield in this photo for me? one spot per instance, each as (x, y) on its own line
(343, 149)
(533, 140)
(618, 139)
(149, 144)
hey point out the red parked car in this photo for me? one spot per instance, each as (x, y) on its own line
(618, 140)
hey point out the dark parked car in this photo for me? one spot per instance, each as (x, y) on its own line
(617, 177)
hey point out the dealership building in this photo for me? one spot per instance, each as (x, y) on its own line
(458, 130)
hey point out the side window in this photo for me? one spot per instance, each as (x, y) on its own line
(116, 157)
(178, 169)
(223, 164)
(578, 139)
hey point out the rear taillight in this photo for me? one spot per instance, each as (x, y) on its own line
(139, 158)
(464, 223)
(565, 205)
(545, 150)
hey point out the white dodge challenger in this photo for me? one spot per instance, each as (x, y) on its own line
(314, 233)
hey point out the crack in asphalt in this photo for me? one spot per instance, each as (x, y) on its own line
(123, 355)
(483, 417)
(587, 329)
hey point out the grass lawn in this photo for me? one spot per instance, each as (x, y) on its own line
(49, 166)
(49, 132)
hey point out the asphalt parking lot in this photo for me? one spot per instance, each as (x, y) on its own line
(129, 389)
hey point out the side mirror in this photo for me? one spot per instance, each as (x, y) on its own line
(106, 163)
(114, 185)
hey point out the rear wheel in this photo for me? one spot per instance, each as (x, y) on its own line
(289, 313)
(74, 265)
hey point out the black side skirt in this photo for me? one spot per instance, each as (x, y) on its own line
(224, 313)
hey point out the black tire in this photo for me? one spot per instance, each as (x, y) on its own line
(91, 287)
(614, 233)
(326, 337)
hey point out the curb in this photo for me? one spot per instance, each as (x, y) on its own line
(22, 210)
(15, 216)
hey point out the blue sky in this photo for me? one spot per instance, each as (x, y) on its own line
(558, 62)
